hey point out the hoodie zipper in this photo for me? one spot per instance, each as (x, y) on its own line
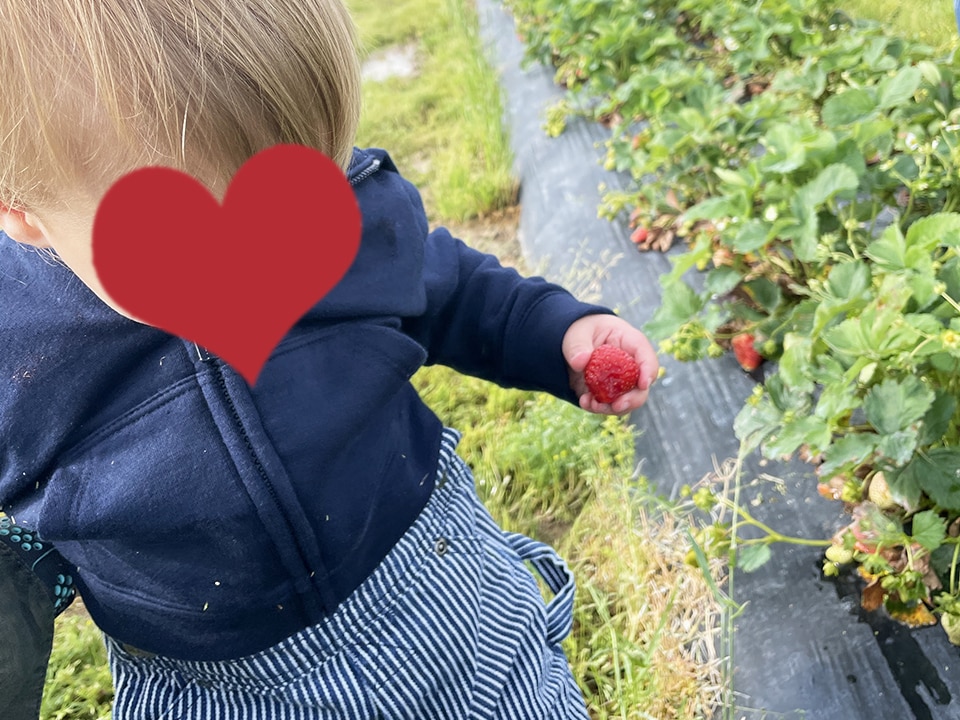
(203, 356)
(305, 564)
(366, 172)
(206, 357)
(306, 567)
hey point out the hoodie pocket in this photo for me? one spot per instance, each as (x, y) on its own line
(153, 506)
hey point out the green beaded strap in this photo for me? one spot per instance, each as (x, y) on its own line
(47, 564)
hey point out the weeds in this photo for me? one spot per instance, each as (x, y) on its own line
(932, 23)
(443, 126)
(78, 681)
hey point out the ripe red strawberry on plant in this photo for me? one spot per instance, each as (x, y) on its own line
(745, 352)
(610, 373)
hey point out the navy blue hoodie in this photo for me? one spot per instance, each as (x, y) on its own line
(208, 519)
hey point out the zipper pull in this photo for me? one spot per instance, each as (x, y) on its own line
(202, 354)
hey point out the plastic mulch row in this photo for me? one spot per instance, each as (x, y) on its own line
(803, 648)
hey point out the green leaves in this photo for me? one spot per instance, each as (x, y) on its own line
(896, 251)
(899, 89)
(752, 557)
(848, 107)
(936, 473)
(861, 104)
(929, 529)
(830, 181)
(752, 236)
(785, 150)
(894, 405)
(679, 304)
(849, 280)
(812, 163)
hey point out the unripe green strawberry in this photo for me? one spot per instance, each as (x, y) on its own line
(879, 492)
(839, 554)
(951, 624)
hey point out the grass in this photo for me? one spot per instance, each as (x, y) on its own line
(931, 21)
(443, 124)
(78, 681)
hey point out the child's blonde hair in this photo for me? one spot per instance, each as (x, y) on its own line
(95, 88)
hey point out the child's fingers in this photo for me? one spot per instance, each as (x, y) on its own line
(639, 347)
(626, 403)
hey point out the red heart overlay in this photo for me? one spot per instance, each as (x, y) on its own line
(233, 278)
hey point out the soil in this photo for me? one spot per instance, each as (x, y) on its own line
(495, 233)
(394, 61)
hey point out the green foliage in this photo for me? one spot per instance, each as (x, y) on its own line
(812, 162)
(442, 126)
(932, 23)
(535, 457)
(78, 685)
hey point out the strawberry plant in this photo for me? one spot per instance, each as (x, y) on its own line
(812, 164)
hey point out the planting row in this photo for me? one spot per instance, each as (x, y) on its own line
(812, 165)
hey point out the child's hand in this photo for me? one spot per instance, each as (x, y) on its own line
(592, 331)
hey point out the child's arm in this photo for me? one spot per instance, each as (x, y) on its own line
(486, 320)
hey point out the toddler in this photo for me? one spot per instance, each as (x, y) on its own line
(311, 546)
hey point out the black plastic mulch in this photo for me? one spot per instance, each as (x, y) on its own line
(802, 648)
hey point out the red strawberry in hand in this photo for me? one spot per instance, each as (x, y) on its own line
(610, 373)
(745, 352)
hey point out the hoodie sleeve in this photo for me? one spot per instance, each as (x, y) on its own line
(486, 320)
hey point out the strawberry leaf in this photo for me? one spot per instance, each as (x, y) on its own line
(679, 304)
(807, 430)
(895, 404)
(928, 233)
(850, 450)
(765, 293)
(785, 151)
(889, 251)
(831, 180)
(937, 420)
(796, 362)
(900, 446)
(848, 280)
(929, 529)
(753, 235)
(752, 557)
(904, 487)
(899, 89)
(754, 423)
(848, 107)
(722, 280)
(937, 473)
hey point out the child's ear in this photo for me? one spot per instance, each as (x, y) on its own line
(22, 227)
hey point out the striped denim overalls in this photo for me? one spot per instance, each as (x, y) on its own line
(451, 625)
